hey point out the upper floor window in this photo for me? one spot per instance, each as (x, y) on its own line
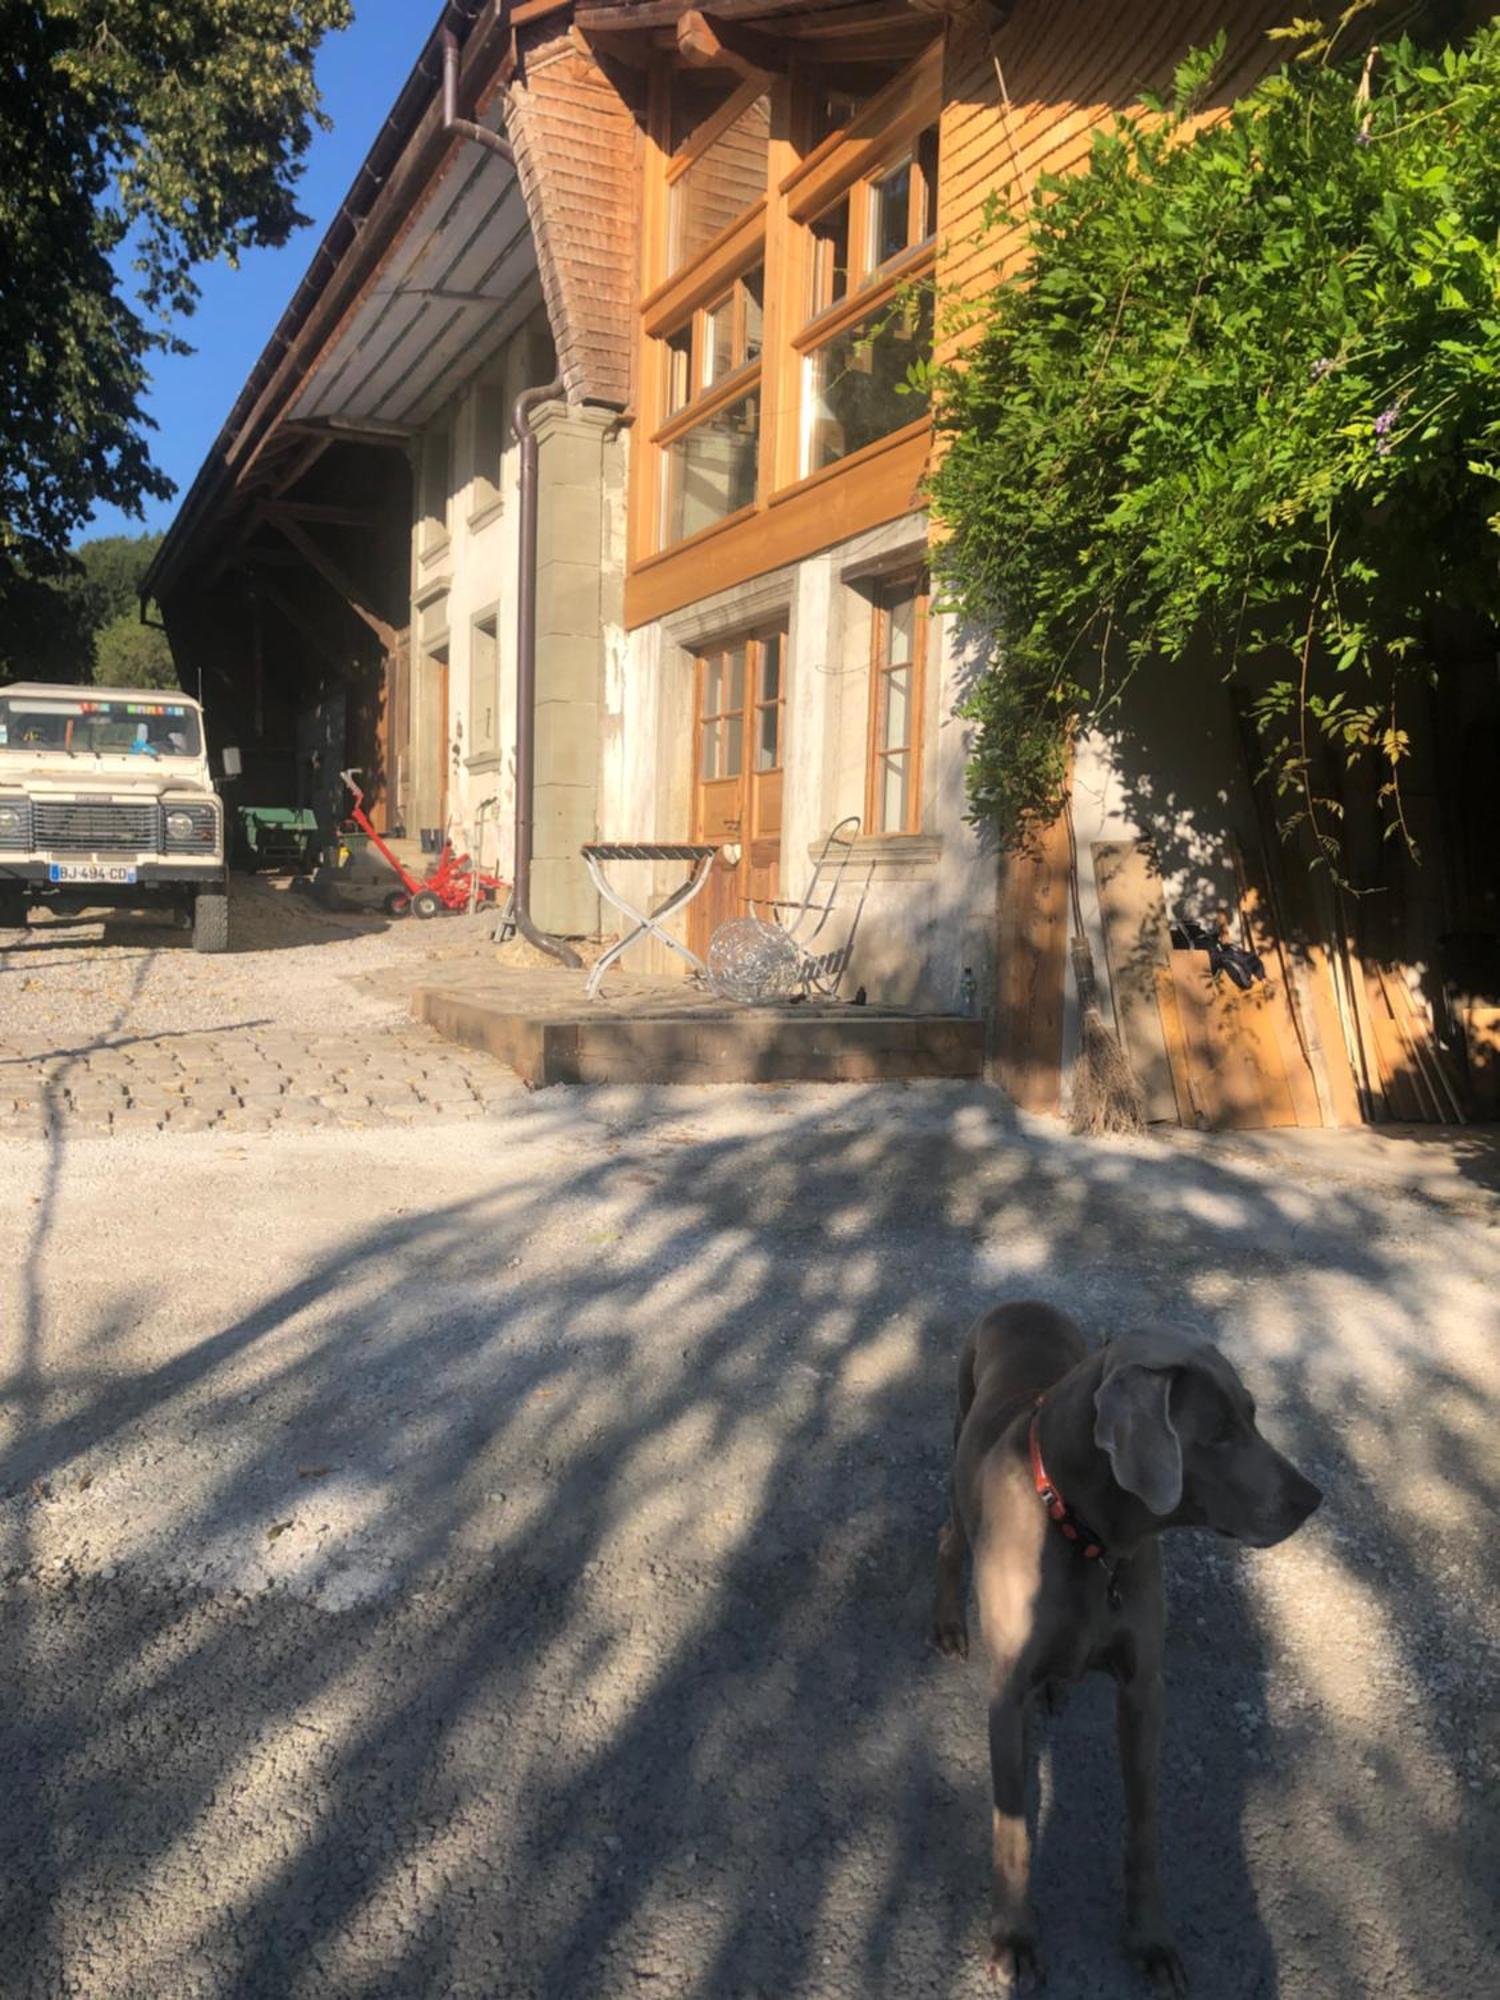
(710, 433)
(862, 333)
(719, 173)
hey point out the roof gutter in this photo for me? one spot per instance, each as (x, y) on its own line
(526, 525)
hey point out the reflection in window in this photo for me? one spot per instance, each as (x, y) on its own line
(710, 470)
(830, 261)
(768, 698)
(721, 727)
(856, 387)
(726, 178)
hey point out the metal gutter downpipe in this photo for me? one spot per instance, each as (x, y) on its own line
(526, 527)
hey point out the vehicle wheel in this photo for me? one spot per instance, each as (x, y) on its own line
(12, 910)
(426, 904)
(211, 921)
(396, 904)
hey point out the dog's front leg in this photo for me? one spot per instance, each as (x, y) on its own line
(1014, 1961)
(1138, 1706)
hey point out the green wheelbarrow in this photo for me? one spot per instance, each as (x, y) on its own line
(277, 837)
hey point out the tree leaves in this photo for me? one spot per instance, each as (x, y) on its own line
(176, 126)
(1244, 404)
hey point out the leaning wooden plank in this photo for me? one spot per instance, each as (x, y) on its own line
(1033, 943)
(1307, 934)
(1133, 911)
(1291, 1031)
(1400, 1078)
(1189, 1112)
(1238, 1074)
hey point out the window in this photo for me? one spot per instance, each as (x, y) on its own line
(490, 424)
(894, 803)
(741, 703)
(717, 177)
(710, 438)
(855, 388)
(709, 471)
(432, 490)
(484, 688)
(864, 332)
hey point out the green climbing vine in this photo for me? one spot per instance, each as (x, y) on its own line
(1242, 398)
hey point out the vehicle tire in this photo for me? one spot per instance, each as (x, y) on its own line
(426, 904)
(211, 921)
(12, 910)
(396, 904)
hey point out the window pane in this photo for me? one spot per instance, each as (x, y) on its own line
(737, 678)
(708, 762)
(754, 283)
(713, 685)
(711, 470)
(721, 184)
(768, 737)
(484, 692)
(856, 385)
(897, 732)
(830, 257)
(679, 369)
(900, 627)
(890, 214)
(770, 667)
(892, 800)
(718, 341)
(734, 741)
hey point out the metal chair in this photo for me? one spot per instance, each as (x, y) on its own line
(821, 971)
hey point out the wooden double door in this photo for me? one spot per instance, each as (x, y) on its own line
(739, 715)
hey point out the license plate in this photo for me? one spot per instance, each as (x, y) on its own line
(90, 871)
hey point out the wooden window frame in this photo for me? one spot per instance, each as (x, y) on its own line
(807, 511)
(916, 583)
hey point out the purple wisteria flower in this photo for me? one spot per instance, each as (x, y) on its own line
(1384, 442)
(1322, 367)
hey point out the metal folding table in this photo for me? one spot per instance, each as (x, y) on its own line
(599, 854)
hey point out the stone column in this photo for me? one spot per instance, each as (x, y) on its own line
(580, 466)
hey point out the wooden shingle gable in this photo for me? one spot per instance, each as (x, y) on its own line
(576, 148)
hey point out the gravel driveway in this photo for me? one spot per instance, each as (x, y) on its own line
(490, 1557)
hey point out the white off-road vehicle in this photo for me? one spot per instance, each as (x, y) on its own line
(106, 798)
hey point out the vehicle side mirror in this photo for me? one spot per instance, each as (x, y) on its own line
(233, 763)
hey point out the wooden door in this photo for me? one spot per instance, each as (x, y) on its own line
(738, 731)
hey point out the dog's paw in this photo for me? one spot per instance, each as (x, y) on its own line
(951, 1638)
(1159, 1959)
(1052, 1697)
(1015, 1964)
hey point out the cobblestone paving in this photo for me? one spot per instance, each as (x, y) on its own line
(122, 1028)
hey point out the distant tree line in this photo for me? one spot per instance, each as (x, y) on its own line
(85, 625)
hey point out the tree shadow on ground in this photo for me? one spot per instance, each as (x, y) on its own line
(608, 1674)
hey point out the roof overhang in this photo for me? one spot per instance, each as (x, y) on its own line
(389, 231)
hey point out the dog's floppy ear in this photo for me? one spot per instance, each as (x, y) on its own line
(1132, 1423)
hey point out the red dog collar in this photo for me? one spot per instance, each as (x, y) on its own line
(1077, 1530)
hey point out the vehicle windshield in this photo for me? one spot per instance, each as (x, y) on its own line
(73, 725)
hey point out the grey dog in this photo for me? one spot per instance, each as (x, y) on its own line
(1067, 1465)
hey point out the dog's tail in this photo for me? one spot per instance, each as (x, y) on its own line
(965, 1385)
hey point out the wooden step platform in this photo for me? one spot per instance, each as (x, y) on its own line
(540, 1025)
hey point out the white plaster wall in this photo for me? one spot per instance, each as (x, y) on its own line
(924, 908)
(479, 562)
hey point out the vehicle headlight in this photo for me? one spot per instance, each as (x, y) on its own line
(179, 825)
(10, 819)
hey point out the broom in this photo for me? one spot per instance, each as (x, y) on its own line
(1106, 1096)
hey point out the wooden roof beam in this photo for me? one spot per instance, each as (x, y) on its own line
(704, 43)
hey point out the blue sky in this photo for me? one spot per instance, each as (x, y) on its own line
(359, 74)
